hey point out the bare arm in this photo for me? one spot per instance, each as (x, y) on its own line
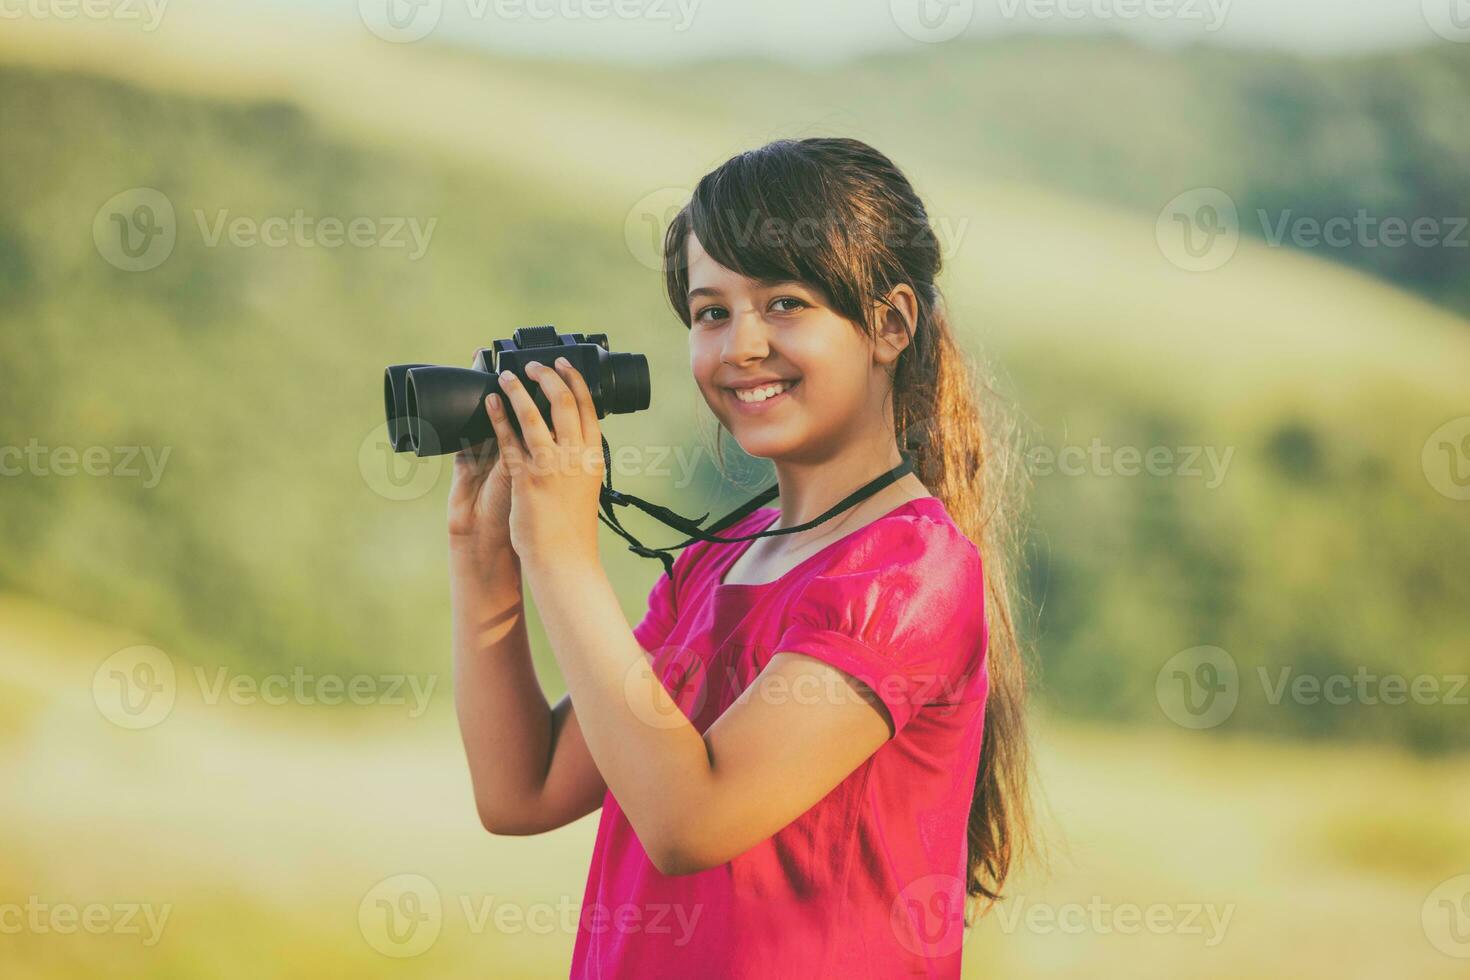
(697, 801)
(529, 766)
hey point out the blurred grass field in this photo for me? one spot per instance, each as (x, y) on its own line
(265, 828)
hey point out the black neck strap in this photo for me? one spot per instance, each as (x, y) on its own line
(610, 497)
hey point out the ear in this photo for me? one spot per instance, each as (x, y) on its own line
(895, 323)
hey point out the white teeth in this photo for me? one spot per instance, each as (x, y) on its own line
(761, 394)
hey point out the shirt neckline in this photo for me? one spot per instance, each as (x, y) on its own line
(720, 584)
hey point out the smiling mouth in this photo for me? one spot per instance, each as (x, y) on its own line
(757, 397)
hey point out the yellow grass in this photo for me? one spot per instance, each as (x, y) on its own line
(264, 829)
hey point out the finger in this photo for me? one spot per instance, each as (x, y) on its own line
(510, 444)
(533, 427)
(564, 417)
(586, 408)
(480, 456)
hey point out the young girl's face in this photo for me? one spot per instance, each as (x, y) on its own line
(746, 335)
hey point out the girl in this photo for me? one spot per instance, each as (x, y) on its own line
(807, 755)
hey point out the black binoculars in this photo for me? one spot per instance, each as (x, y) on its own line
(434, 410)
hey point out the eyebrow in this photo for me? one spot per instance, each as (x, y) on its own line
(765, 284)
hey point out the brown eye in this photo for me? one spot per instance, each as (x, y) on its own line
(790, 299)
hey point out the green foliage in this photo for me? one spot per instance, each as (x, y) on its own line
(1322, 547)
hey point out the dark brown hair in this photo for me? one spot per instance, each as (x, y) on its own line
(839, 215)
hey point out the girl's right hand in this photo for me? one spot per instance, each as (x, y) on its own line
(479, 503)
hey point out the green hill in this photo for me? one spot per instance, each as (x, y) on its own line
(272, 535)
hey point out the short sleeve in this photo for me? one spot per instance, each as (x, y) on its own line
(658, 621)
(901, 610)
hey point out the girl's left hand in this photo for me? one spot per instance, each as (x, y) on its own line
(555, 478)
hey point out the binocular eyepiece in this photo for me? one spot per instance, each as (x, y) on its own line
(434, 410)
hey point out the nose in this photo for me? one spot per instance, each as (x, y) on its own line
(745, 340)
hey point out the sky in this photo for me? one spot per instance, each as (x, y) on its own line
(828, 30)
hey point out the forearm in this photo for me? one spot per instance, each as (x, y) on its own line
(504, 718)
(653, 760)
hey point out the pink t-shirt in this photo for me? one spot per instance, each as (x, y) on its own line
(869, 882)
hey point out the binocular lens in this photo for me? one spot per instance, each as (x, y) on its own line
(630, 390)
(434, 409)
(395, 403)
(447, 403)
